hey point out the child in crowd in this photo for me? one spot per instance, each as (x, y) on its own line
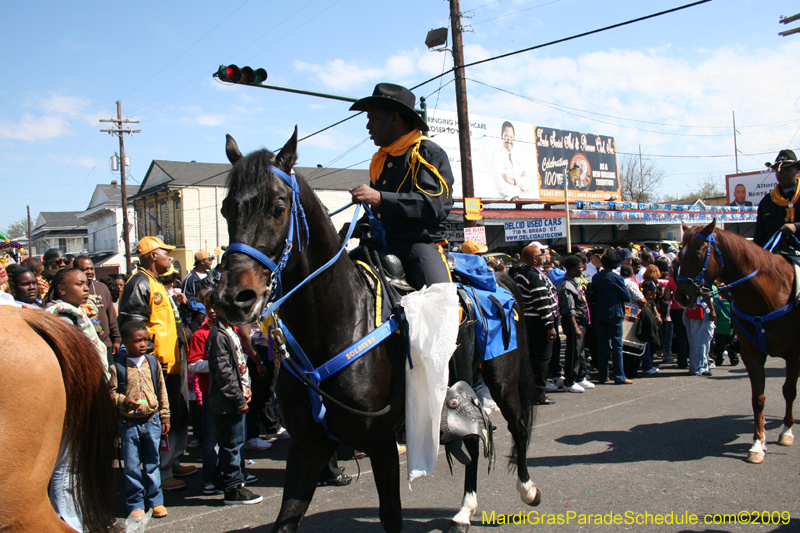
(228, 396)
(139, 392)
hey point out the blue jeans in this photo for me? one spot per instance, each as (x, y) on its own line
(231, 431)
(139, 443)
(609, 336)
(667, 329)
(647, 358)
(209, 444)
(61, 490)
(699, 332)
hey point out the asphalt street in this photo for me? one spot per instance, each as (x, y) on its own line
(670, 445)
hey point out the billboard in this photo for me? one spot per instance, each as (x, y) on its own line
(749, 188)
(517, 160)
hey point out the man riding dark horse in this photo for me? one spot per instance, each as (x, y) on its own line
(411, 189)
(776, 211)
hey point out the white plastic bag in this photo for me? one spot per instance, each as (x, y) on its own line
(432, 315)
(137, 525)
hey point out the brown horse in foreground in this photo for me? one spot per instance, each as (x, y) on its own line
(52, 386)
(767, 291)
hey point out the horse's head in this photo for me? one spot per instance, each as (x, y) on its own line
(258, 211)
(700, 263)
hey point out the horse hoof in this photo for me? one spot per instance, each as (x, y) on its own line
(538, 499)
(455, 527)
(786, 440)
(755, 457)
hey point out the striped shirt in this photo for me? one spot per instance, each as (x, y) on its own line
(539, 295)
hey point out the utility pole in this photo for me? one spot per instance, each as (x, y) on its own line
(461, 105)
(30, 241)
(119, 121)
(735, 148)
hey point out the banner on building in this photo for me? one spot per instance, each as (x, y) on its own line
(518, 160)
(535, 229)
(749, 188)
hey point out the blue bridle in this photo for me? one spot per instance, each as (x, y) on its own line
(700, 279)
(296, 222)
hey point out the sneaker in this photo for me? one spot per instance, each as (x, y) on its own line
(159, 511)
(169, 484)
(651, 371)
(194, 443)
(626, 382)
(210, 489)
(401, 449)
(559, 382)
(249, 479)
(242, 496)
(339, 481)
(706, 373)
(573, 388)
(183, 470)
(711, 364)
(136, 514)
(280, 434)
(550, 386)
(257, 443)
(586, 384)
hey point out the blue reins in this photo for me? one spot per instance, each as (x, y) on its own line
(760, 338)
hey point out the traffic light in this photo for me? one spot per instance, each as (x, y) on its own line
(244, 76)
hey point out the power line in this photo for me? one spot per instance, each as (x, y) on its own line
(565, 39)
(563, 109)
(515, 12)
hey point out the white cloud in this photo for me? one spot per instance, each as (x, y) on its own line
(340, 74)
(34, 129)
(84, 160)
(63, 105)
(210, 120)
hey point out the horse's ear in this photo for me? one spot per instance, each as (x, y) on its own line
(684, 227)
(232, 150)
(288, 155)
(708, 230)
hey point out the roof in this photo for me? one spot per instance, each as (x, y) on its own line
(178, 174)
(59, 220)
(106, 194)
(513, 214)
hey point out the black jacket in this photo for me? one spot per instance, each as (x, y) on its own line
(408, 213)
(771, 217)
(225, 389)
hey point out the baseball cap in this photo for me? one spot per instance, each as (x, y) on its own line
(538, 245)
(171, 271)
(472, 247)
(148, 244)
(201, 254)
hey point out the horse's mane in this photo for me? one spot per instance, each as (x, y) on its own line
(748, 254)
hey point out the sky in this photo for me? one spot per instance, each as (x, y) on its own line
(667, 86)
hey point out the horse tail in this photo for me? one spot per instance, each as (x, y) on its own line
(527, 387)
(90, 423)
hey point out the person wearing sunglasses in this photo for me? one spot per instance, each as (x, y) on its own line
(53, 260)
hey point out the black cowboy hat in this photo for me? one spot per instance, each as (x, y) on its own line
(786, 158)
(394, 98)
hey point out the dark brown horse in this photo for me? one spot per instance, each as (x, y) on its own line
(326, 315)
(769, 290)
(53, 392)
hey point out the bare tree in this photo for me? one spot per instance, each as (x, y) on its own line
(17, 229)
(711, 187)
(640, 179)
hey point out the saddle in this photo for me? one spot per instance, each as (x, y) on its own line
(484, 318)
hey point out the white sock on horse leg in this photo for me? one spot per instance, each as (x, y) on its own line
(759, 446)
(526, 491)
(786, 438)
(468, 506)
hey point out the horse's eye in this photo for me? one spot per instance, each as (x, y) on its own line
(278, 211)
